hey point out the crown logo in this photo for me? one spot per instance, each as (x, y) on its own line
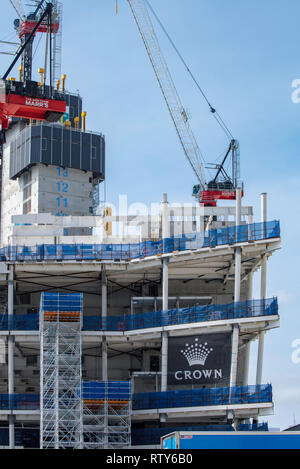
(196, 354)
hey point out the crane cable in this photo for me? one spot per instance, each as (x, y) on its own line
(212, 109)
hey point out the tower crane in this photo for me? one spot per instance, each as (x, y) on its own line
(222, 186)
(25, 98)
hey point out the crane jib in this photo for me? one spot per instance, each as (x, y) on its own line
(224, 189)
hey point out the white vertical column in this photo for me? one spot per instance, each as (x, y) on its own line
(165, 292)
(165, 222)
(10, 354)
(263, 292)
(165, 298)
(164, 337)
(237, 293)
(248, 344)
(104, 316)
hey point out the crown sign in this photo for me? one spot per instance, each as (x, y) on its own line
(196, 354)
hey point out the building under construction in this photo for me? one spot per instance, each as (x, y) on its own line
(111, 339)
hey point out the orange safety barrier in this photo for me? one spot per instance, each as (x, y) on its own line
(62, 316)
(94, 403)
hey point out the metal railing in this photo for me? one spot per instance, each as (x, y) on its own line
(195, 314)
(126, 252)
(203, 397)
(19, 401)
(106, 390)
(172, 317)
(162, 400)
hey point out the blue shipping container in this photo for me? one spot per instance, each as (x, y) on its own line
(231, 440)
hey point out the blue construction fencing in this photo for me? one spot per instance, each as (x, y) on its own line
(203, 397)
(126, 252)
(194, 314)
(106, 390)
(121, 390)
(127, 322)
(24, 437)
(19, 401)
(53, 302)
(152, 436)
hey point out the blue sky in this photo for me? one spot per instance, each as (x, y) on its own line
(245, 54)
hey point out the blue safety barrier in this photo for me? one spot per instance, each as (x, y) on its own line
(121, 390)
(243, 309)
(110, 390)
(203, 397)
(24, 437)
(125, 252)
(19, 401)
(61, 302)
(128, 322)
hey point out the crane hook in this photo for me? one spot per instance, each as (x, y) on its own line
(116, 7)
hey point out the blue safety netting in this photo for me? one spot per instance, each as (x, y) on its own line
(68, 302)
(203, 397)
(109, 390)
(243, 309)
(153, 400)
(61, 301)
(125, 252)
(19, 401)
(26, 437)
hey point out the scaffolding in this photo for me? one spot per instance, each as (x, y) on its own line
(57, 44)
(106, 414)
(60, 375)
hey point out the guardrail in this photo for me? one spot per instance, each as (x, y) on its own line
(203, 397)
(162, 400)
(93, 390)
(127, 322)
(243, 309)
(126, 252)
(19, 401)
(106, 390)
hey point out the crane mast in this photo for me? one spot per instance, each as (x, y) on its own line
(176, 109)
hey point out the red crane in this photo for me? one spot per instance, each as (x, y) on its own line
(29, 99)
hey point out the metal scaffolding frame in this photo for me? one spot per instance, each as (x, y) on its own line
(60, 376)
(107, 417)
(57, 44)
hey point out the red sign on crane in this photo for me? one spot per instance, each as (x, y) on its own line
(28, 107)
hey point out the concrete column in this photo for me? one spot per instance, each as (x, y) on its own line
(238, 206)
(165, 224)
(237, 293)
(104, 316)
(263, 206)
(10, 353)
(164, 337)
(164, 361)
(246, 364)
(263, 278)
(248, 344)
(238, 252)
(237, 275)
(250, 286)
(165, 284)
(263, 293)
(234, 355)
